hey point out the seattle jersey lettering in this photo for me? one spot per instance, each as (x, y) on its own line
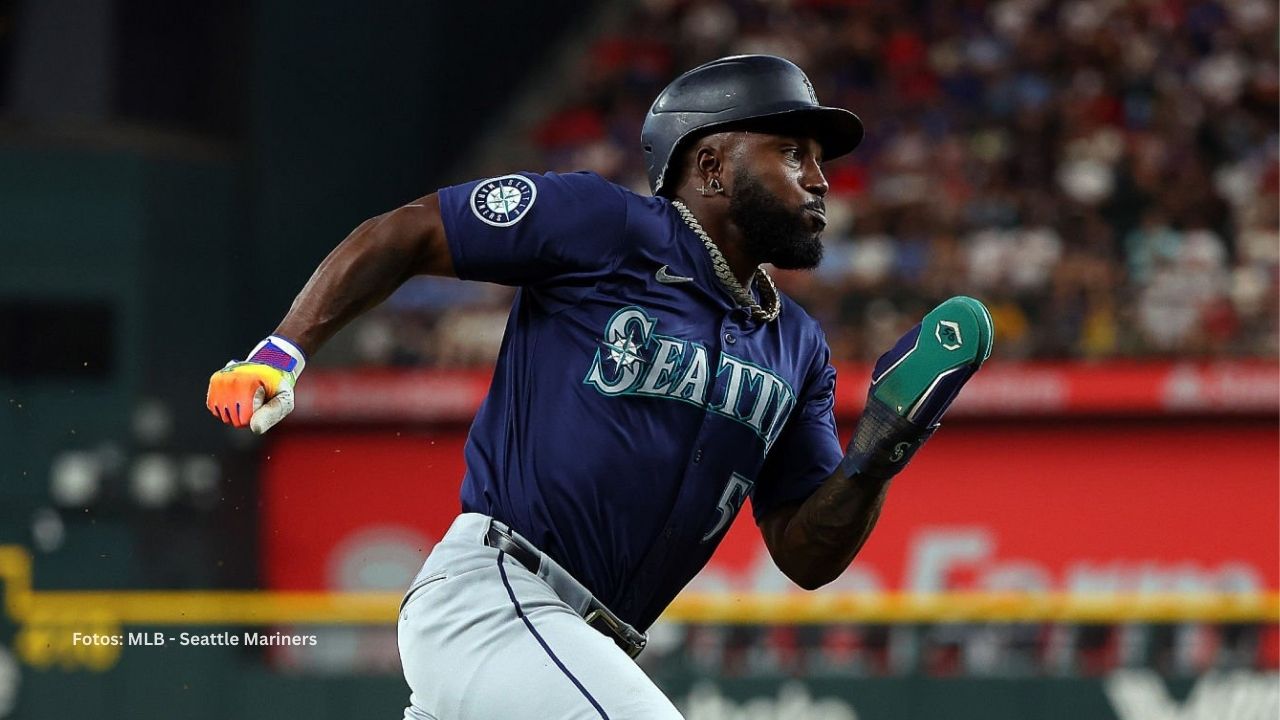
(634, 360)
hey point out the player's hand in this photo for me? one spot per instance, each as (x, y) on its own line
(914, 383)
(257, 392)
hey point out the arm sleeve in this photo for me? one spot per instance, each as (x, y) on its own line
(530, 229)
(808, 450)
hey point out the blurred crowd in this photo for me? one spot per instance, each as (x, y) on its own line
(959, 649)
(1104, 174)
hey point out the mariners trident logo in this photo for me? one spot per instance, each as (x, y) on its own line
(502, 201)
(634, 360)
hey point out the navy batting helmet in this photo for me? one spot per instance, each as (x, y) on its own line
(734, 90)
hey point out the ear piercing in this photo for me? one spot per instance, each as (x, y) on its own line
(711, 187)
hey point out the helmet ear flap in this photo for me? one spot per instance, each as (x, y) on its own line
(677, 163)
(669, 180)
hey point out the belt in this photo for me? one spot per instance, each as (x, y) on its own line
(598, 616)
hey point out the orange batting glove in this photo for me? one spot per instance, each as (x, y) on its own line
(257, 392)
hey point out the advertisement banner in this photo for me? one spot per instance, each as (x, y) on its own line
(1125, 695)
(161, 688)
(1065, 507)
(1172, 506)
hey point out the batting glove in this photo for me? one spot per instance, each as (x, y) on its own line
(257, 392)
(914, 383)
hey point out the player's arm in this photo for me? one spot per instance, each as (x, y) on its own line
(913, 384)
(375, 259)
(522, 230)
(813, 542)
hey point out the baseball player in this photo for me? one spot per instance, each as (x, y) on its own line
(652, 378)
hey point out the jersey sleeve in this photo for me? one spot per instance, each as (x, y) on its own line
(808, 449)
(528, 229)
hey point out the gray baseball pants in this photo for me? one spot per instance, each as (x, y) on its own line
(483, 638)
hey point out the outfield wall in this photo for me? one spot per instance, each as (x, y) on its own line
(1081, 506)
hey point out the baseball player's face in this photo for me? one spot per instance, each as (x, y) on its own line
(776, 199)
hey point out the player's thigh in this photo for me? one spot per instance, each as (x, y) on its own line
(570, 670)
(494, 643)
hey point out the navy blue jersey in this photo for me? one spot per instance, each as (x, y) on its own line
(634, 406)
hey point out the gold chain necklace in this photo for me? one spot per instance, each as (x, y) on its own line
(768, 291)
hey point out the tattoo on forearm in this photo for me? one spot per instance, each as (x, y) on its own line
(839, 517)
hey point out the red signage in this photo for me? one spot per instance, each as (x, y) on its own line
(1191, 506)
(1172, 505)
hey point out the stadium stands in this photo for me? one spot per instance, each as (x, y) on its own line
(1103, 174)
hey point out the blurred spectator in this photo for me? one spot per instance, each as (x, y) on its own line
(1103, 174)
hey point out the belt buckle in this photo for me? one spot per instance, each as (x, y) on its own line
(625, 637)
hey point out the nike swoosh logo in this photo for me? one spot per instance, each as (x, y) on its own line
(665, 277)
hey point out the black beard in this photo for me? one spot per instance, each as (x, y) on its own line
(771, 231)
